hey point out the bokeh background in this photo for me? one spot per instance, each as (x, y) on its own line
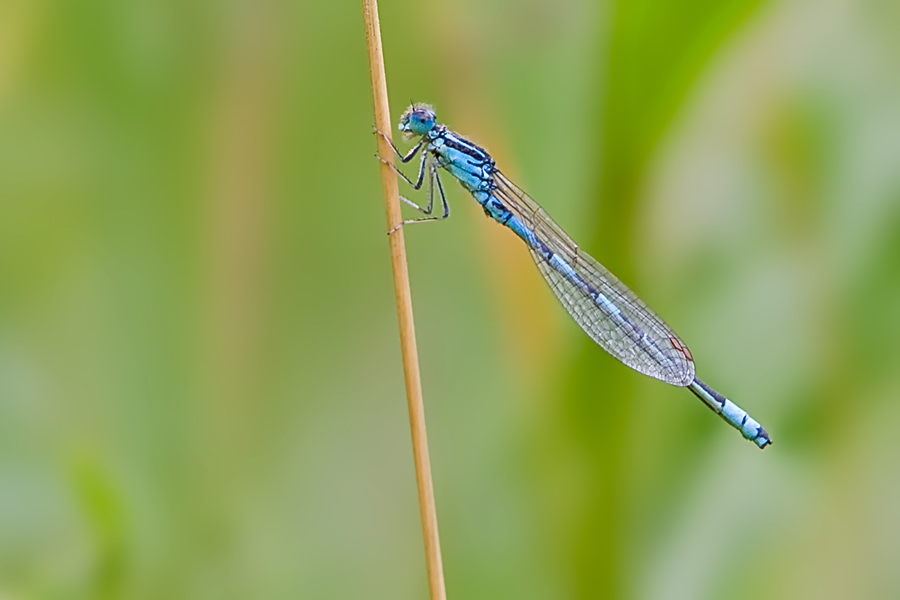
(200, 384)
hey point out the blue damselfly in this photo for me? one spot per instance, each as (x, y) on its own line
(610, 313)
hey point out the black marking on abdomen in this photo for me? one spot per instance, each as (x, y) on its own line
(713, 393)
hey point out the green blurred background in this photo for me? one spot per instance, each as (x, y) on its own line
(200, 384)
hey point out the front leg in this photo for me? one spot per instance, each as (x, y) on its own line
(404, 158)
(418, 184)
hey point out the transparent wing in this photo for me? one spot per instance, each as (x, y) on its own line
(602, 305)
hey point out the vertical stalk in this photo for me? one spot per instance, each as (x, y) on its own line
(404, 309)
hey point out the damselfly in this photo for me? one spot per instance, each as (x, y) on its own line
(610, 313)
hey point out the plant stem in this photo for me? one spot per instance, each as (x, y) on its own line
(404, 309)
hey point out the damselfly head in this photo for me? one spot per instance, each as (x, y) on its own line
(417, 120)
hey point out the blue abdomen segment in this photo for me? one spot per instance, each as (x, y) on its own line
(496, 210)
(732, 413)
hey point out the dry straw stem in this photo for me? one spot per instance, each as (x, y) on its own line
(404, 309)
